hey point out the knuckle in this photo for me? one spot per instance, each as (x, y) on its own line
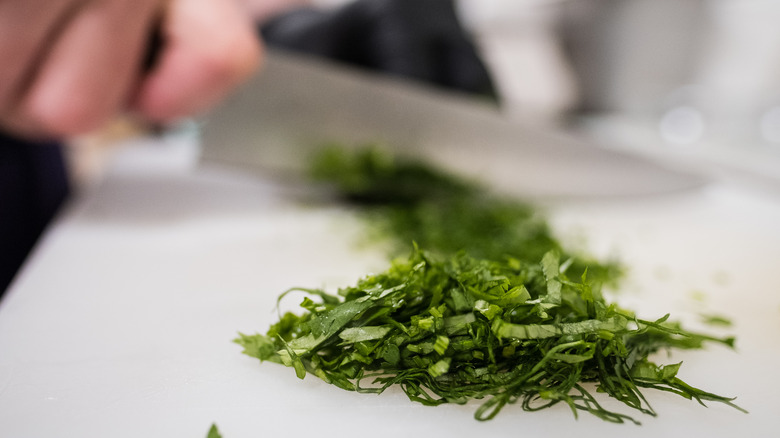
(63, 118)
(233, 60)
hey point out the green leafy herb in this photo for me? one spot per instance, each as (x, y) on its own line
(371, 176)
(214, 432)
(455, 329)
(494, 309)
(409, 201)
(718, 320)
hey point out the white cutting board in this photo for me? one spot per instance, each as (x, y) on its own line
(121, 323)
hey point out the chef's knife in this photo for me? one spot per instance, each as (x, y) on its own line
(297, 104)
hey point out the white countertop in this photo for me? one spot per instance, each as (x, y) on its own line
(121, 323)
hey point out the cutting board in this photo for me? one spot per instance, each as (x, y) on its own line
(121, 322)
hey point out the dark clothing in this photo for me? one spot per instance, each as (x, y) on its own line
(416, 39)
(33, 185)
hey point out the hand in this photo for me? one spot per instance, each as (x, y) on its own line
(70, 65)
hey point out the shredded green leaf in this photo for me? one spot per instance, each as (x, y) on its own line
(492, 309)
(405, 327)
(716, 320)
(409, 201)
(214, 432)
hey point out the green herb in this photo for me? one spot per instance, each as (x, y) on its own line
(369, 175)
(214, 432)
(718, 320)
(455, 329)
(494, 309)
(409, 201)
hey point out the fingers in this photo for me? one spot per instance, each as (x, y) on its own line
(67, 66)
(210, 47)
(26, 28)
(91, 69)
(79, 68)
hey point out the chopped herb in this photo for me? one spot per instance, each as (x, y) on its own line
(372, 176)
(718, 320)
(409, 201)
(214, 432)
(699, 296)
(494, 309)
(459, 328)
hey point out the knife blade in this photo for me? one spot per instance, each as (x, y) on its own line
(298, 104)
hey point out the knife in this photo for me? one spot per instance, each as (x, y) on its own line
(298, 104)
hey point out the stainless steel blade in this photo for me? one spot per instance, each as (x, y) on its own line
(297, 104)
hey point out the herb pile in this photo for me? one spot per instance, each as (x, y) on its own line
(498, 312)
(409, 201)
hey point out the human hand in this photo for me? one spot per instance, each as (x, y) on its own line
(70, 65)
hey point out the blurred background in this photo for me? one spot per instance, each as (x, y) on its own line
(678, 80)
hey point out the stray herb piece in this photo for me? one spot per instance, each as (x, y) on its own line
(717, 320)
(459, 328)
(699, 296)
(214, 432)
